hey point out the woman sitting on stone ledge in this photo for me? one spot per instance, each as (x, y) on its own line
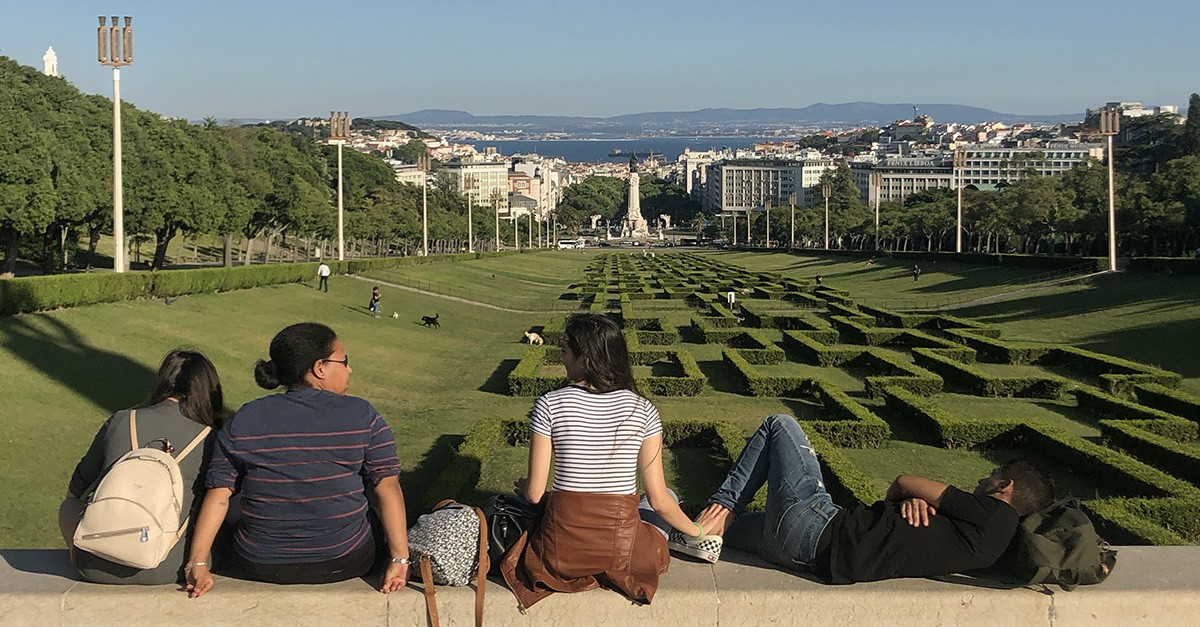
(186, 399)
(602, 435)
(299, 462)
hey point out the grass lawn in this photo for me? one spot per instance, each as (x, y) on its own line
(64, 372)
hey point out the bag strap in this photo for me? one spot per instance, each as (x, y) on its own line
(133, 439)
(430, 592)
(483, 567)
(194, 443)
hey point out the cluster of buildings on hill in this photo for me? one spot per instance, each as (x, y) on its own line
(908, 156)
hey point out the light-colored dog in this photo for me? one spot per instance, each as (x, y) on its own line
(395, 315)
(534, 338)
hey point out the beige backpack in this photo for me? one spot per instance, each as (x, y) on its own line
(134, 516)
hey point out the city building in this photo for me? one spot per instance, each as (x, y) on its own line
(746, 184)
(479, 180)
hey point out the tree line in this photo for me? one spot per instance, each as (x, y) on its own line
(1157, 190)
(240, 183)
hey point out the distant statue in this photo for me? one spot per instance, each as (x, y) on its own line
(51, 62)
(633, 162)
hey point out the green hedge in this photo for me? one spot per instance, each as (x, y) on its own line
(894, 372)
(1121, 521)
(997, 351)
(847, 423)
(943, 427)
(759, 385)
(756, 348)
(756, 317)
(980, 383)
(526, 378)
(856, 331)
(1168, 400)
(816, 352)
(552, 332)
(1163, 452)
(1120, 375)
(712, 334)
(945, 322)
(1166, 425)
(1164, 265)
(846, 484)
(888, 318)
(690, 384)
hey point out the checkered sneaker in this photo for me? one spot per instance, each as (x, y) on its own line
(707, 548)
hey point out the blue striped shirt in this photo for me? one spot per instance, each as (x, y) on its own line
(299, 461)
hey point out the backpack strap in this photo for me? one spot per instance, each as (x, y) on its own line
(483, 567)
(133, 439)
(430, 592)
(193, 444)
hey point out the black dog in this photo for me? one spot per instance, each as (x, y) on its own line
(431, 321)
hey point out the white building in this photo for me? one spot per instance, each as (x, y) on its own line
(479, 181)
(746, 184)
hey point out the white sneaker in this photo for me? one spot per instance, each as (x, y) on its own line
(707, 548)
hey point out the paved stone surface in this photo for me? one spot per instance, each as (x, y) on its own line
(1151, 586)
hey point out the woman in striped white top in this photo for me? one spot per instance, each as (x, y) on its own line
(601, 435)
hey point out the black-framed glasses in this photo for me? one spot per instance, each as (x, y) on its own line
(345, 362)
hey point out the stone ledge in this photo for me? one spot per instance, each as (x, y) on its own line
(1151, 586)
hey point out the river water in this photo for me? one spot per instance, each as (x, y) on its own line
(601, 150)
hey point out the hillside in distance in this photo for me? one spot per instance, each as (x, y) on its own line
(822, 115)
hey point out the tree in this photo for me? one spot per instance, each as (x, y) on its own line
(1191, 128)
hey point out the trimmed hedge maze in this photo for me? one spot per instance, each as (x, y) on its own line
(1119, 433)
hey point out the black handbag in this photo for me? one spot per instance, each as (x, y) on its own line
(508, 516)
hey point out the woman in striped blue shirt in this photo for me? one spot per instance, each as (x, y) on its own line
(299, 462)
(602, 436)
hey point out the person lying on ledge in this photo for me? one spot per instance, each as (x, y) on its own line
(923, 528)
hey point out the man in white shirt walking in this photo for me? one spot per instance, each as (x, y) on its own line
(323, 276)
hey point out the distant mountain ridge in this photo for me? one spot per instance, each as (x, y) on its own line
(849, 114)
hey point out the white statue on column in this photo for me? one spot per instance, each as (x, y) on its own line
(50, 59)
(635, 224)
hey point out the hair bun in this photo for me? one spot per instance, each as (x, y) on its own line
(266, 374)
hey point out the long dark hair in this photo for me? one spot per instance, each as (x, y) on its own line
(293, 352)
(600, 348)
(190, 377)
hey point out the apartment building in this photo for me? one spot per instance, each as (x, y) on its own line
(746, 184)
(479, 180)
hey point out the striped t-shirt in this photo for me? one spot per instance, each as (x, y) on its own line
(299, 460)
(596, 437)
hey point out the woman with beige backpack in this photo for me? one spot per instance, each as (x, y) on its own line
(169, 438)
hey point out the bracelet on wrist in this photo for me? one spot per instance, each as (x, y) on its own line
(187, 568)
(400, 560)
(699, 532)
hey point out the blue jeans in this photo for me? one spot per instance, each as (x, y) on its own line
(798, 507)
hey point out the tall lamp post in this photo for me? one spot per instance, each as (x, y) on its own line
(960, 163)
(423, 166)
(496, 210)
(339, 132)
(1110, 124)
(114, 48)
(734, 216)
(768, 209)
(876, 184)
(826, 191)
(792, 204)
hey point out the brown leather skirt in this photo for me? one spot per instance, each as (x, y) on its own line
(584, 539)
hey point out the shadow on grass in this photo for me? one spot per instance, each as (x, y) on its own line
(109, 380)
(719, 377)
(497, 382)
(436, 460)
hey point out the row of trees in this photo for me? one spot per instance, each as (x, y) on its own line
(1157, 197)
(243, 184)
(607, 197)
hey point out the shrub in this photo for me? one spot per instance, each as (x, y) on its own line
(1165, 453)
(943, 427)
(690, 384)
(1104, 366)
(847, 484)
(983, 384)
(895, 373)
(526, 378)
(817, 352)
(756, 348)
(714, 335)
(997, 351)
(1168, 400)
(1106, 406)
(854, 331)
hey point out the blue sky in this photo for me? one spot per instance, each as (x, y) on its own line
(275, 59)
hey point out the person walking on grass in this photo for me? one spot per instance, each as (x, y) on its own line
(602, 436)
(323, 272)
(374, 304)
(922, 528)
(916, 272)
